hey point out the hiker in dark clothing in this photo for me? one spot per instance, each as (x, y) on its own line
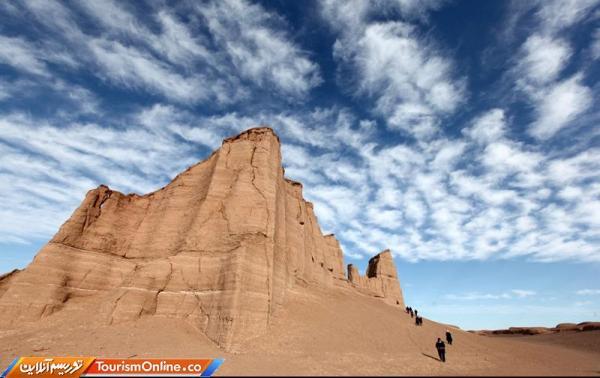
(416, 312)
(411, 313)
(407, 309)
(441, 349)
(448, 337)
(417, 320)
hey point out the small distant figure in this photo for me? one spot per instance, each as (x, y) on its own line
(420, 320)
(407, 309)
(411, 313)
(441, 349)
(416, 320)
(416, 312)
(448, 337)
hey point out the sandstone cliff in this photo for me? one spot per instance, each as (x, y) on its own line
(219, 246)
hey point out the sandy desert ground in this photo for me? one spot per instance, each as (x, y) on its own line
(316, 332)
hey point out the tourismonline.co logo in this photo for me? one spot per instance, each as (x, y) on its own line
(72, 367)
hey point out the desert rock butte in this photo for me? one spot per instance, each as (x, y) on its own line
(228, 260)
(219, 246)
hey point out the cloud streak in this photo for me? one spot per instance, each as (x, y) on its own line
(476, 296)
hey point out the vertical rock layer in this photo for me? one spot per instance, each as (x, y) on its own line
(220, 246)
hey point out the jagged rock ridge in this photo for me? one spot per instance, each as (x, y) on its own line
(219, 246)
(381, 279)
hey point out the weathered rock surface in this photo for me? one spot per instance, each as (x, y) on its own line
(565, 327)
(5, 279)
(589, 326)
(219, 246)
(381, 279)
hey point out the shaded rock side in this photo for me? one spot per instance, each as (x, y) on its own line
(381, 279)
(219, 246)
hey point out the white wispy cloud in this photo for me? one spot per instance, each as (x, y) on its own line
(21, 55)
(260, 53)
(543, 56)
(560, 105)
(476, 296)
(588, 292)
(523, 293)
(412, 84)
(207, 59)
(489, 127)
(130, 67)
(556, 15)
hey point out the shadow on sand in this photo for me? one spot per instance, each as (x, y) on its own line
(430, 356)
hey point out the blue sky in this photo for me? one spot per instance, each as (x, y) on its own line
(462, 135)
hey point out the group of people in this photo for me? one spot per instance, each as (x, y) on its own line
(439, 345)
(414, 314)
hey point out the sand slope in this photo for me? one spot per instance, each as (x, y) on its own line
(317, 331)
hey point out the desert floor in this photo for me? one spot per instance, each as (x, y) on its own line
(316, 332)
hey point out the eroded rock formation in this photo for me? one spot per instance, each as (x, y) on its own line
(219, 246)
(562, 327)
(381, 279)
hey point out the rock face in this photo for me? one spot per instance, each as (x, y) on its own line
(381, 279)
(219, 246)
(5, 280)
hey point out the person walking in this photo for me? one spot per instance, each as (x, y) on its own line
(411, 313)
(441, 349)
(416, 312)
(448, 337)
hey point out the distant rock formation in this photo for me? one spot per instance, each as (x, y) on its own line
(562, 327)
(381, 279)
(219, 246)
